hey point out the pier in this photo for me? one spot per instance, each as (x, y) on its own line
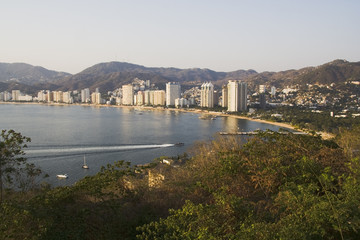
(255, 133)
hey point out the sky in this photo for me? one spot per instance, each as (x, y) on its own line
(221, 35)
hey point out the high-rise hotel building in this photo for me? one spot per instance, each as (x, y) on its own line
(172, 92)
(224, 97)
(96, 98)
(15, 95)
(128, 94)
(207, 95)
(159, 98)
(237, 96)
(85, 95)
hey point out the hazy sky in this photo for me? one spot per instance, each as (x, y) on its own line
(222, 35)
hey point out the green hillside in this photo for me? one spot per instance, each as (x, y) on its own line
(275, 186)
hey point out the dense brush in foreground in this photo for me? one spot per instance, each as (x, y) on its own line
(274, 186)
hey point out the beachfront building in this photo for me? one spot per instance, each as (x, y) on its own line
(224, 98)
(237, 96)
(5, 96)
(147, 97)
(67, 98)
(25, 98)
(173, 90)
(15, 94)
(41, 96)
(85, 95)
(96, 98)
(128, 94)
(49, 96)
(159, 98)
(207, 95)
(181, 102)
(140, 98)
(58, 96)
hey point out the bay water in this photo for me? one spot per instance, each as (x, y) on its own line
(61, 136)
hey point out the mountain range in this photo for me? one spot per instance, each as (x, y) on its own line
(112, 75)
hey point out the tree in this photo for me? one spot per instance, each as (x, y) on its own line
(12, 161)
(349, 140)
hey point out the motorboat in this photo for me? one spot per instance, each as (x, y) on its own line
(62, 176)
(179, 144)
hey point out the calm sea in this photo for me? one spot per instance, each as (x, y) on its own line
(62, 135)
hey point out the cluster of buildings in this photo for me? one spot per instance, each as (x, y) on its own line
(233, 97)
(15, 95)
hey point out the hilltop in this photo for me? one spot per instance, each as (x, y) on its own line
(337, 71)
(111, 75)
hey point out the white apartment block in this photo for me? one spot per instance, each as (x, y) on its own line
(128, 94)
(96, 98)
(273, 91)
(181, 102)
(5, 96)
(159, 98)
(58, 96)
(49, 96)
(224, 98)
(85, 95)
(207, 95)
(147, 97)
(152, 97)
(15, 94)
(25, 98)
(237, 96)
(140, 98)
(262, 89)
(67, 98)
(41, 96)
(173, 91)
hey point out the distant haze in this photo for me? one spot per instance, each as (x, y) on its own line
(227, 35)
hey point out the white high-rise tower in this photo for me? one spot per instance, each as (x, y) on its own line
(207, 95)
(172, 92)
(237, 96)
(128, 94)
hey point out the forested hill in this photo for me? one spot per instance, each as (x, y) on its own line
(28, 74)
(108, 76)
(338, 71)
(112, 75)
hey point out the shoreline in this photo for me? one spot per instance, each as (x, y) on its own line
(324, 135)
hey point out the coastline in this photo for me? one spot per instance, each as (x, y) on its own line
(324, 135)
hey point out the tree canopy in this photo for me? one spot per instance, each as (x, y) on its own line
(15, 171)
(270, 186)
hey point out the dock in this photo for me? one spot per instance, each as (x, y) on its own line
(255, 133)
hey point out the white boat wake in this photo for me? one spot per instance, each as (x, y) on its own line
(95, 149)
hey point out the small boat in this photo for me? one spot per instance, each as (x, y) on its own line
(179, 144)
(62, 176)
(84, 165)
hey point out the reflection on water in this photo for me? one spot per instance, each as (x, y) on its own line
(232, 124)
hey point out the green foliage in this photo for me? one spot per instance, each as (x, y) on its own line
(274, 186)
(14, 170)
